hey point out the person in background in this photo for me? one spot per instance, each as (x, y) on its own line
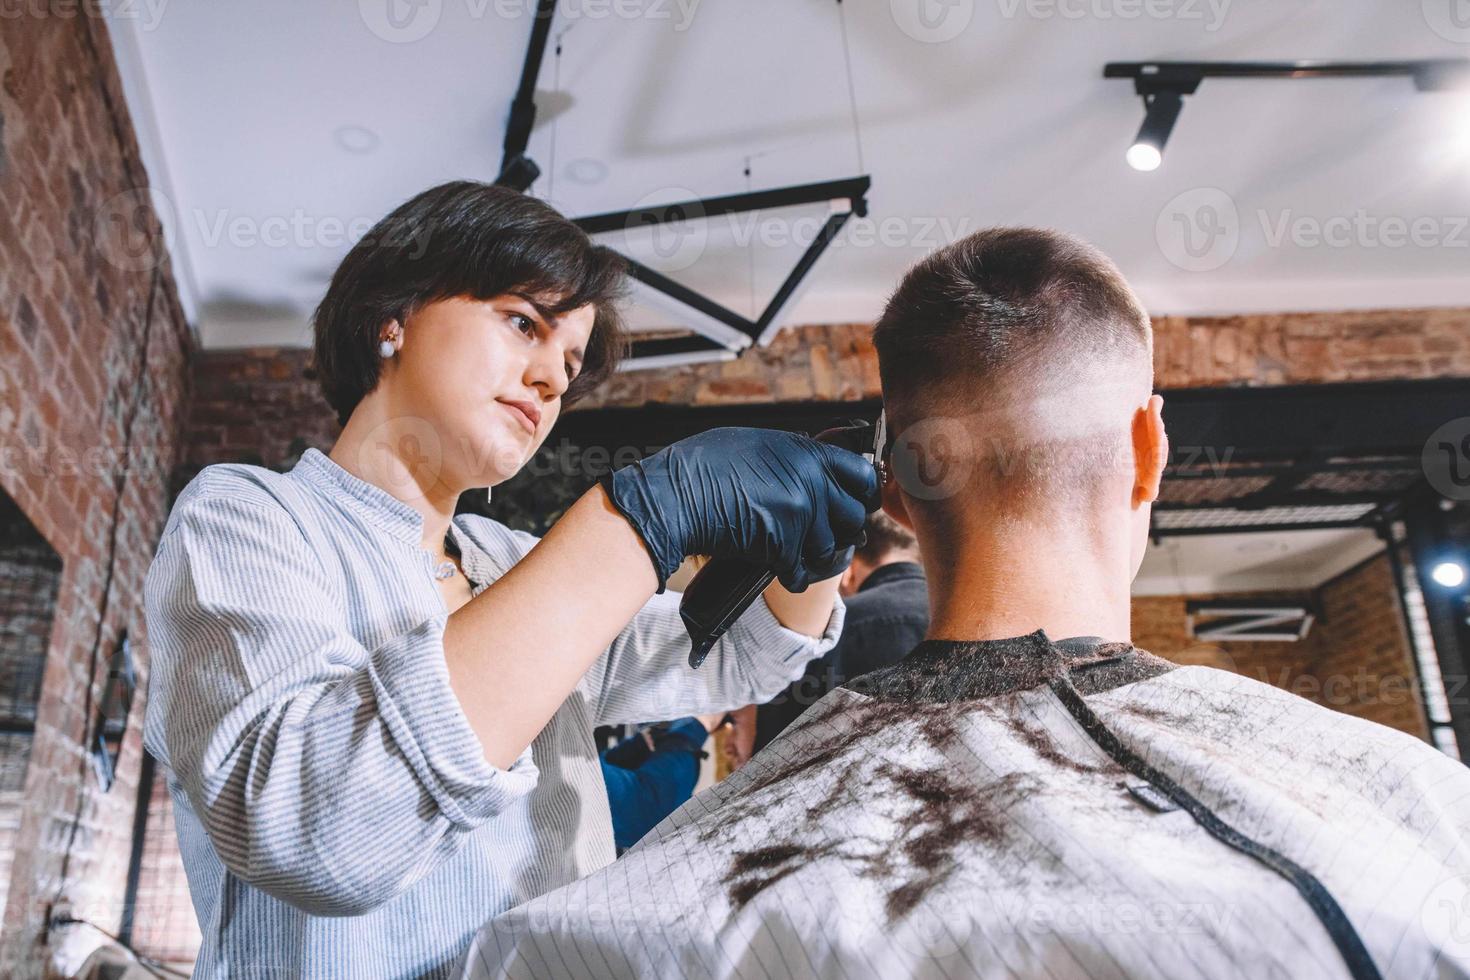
(887, 613)
(649, 773)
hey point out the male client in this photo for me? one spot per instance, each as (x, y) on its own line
(1026, 793)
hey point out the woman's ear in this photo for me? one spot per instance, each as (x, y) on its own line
(1150, 451)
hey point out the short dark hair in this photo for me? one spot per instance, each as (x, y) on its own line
(884, 537)
(999, 318)
(999, 300)
(463, 238)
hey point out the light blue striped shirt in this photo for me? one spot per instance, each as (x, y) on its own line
(336, 813)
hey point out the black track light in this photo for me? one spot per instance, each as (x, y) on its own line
(1147, 151)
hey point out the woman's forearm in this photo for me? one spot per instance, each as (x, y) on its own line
(517, 650)
(807, 612)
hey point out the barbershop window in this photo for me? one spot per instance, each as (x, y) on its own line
(30, 577)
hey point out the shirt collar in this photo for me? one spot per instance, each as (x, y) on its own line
(892, 572)
(376, 505)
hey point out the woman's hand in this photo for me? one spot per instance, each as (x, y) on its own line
(775, 498)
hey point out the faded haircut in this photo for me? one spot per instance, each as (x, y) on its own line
(1009, 354)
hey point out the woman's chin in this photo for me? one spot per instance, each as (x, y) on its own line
(492, 461)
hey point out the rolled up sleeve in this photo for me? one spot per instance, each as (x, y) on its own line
(328, 774)
(645, 674)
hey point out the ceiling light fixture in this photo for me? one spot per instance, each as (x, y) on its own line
(1450, 574)
(1248, 619)
(1147, 151)
(1163, 85)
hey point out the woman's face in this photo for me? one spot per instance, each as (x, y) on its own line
(487, 376)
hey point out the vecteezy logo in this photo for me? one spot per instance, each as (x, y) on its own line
(1446, 459)
(1450, 19)
(407, 451)
(400, 21)
(675, 233)
(932, 459)
(1199, 230)
(1445, 918)
(932, 21)
(123, 228)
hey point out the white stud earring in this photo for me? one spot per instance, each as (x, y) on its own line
(386, 348)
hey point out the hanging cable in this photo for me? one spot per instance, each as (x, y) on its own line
(556, 118)
(857, 129)
(750, 245)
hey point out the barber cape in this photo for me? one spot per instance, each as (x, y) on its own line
(1019, 808)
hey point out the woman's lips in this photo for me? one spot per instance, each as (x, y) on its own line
(525, 412)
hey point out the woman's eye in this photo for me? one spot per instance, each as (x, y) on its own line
(523, 323)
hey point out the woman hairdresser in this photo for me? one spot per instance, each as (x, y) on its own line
(378, 716)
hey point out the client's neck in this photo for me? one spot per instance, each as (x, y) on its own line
(998, 580)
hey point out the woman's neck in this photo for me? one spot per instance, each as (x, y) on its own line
(375, 450)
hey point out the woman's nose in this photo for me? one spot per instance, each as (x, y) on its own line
(546, 372)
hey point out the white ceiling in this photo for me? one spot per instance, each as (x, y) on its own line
(1286, 561)
(241, 110)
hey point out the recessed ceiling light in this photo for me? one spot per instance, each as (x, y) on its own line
(586, 171)
(356, 139)
(1450, 574)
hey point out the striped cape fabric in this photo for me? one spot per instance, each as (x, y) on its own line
(1016, 808)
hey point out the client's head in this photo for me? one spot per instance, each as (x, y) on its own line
(1017, 371)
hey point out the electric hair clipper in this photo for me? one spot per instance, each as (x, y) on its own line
(725, 587)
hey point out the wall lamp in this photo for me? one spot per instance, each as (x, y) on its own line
(1163, 85)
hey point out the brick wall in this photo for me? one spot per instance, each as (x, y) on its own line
(833, 363)
(255, 404)
(1355, 658)
(80, 289)
(164, 927)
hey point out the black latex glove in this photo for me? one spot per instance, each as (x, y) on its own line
(781, 500)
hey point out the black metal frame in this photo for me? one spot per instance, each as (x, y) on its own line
(1184, 77)
(1292, 430)
(519, 172)
(1397, 555)
(852, 189)
(1448, 610)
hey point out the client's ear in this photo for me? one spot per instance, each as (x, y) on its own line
(893, 504)
(1150, 451)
